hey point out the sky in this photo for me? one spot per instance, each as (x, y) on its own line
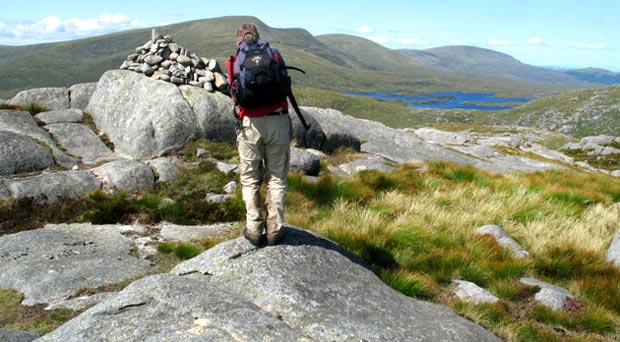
(547, 33)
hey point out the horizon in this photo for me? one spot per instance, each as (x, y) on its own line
(533, 33)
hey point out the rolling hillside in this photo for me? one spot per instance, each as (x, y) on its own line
(333, 62)
(470, 59)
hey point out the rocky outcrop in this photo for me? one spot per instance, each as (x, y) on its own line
(20, 154)
(49, 187)
(17, 335)
(49, 98)
(142, 117)
(126, 175)
(80, 94)
(52, 263)
(60, 116)
(80, 141)
(213, 112)
(305, 289)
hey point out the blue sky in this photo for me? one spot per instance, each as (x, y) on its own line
(549, 33)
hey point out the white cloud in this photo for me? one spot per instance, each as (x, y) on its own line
(534, 41)
(379, 39)
(411, 41)
(52, 28)
(498, 42)
(592, 46)
(365, 29)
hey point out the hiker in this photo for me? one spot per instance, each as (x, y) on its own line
(263, 133)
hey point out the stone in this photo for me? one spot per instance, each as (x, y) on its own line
(49, 187)
(173, 232)
(495, 231)
(328, 131)
(138, 127)
(60, 116)
(370, 163)
(504, 240)
(226, 167)
(615, 173)
(127, 175)
(443, 137)
(213, 112)
(217, 198)
(153, 60)
(50, 98)
(80, 94)
(549, 295)
(230, 187)
(607, 150)
(79, 140)
(23, 123)
(17, 335)
(613, 253)
(166, 170)
(20, 154)
(304, 162)
(200, 152)
(470, 292)
(184, 60)
(52, 263)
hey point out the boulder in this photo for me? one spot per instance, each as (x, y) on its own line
(49, 187)
(23, 123)
(305, 162)
(50, 98)
(613, 253)
(144, 118)
(21, 154)
(549, 295)
(80, 94)
(4, 192)
(60, 116)
(52, 263)
(314, 137)
(601, 140)
(127, 175)
(17, 335)
(335, 128)
(213, 112)
(470, 292)
(80, 141)
(305, 289)
(166, 170)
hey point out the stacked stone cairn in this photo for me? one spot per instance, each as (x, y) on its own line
(163, 59)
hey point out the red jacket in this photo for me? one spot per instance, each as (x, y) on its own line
(253, 112)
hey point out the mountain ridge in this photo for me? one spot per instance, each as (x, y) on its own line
(329, 65)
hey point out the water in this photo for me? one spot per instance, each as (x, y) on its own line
(449, 100)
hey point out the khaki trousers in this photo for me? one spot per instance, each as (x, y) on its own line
(264, 152)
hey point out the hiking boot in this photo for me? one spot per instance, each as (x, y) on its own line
(275, 238)
(255, 239)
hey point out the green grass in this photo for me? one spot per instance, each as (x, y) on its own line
(417, 229)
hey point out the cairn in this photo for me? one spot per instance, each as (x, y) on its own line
(163, 59)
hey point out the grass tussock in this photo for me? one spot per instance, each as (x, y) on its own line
(418, 229)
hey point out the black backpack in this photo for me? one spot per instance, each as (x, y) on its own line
(259, 74)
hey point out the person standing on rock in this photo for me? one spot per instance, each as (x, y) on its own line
(258, 81)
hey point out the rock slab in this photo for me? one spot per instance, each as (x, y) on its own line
(305, 289)
(52, 263)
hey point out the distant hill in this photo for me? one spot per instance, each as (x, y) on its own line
(333, 62)
(595, 75)
(475, 60)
